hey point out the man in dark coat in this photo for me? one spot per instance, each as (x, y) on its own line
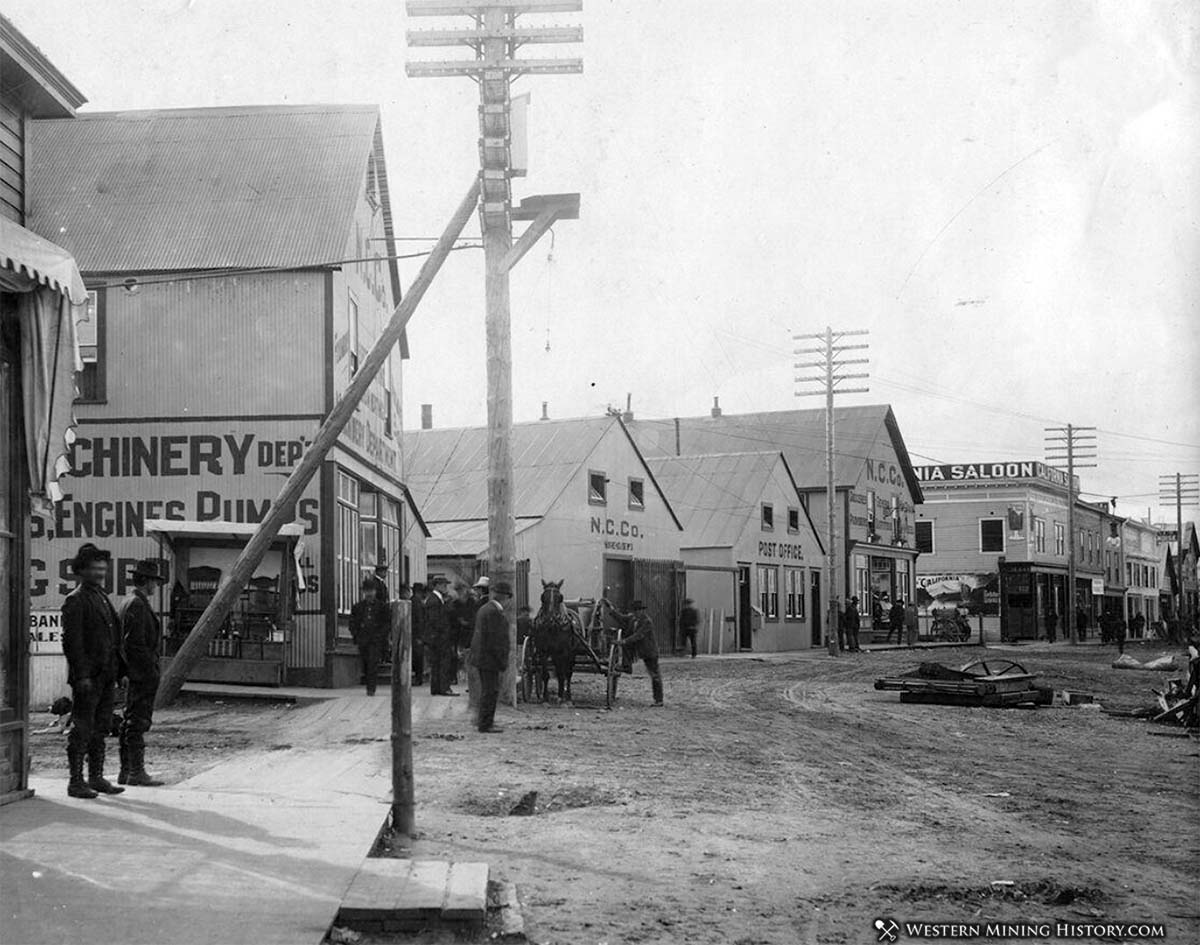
(141, 636)
(92, 645)
(439, 639)
(417, 601)
(850, 621)
(370, 626)
(689, 622)
(639, 641)
(489, 651)
(378, 577)
(896, 622)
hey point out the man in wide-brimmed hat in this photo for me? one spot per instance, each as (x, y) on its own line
(370, 626)
(489, 651)
(91, 640)
(439, 638)
(379, 576)
(639, 641)
(141, 636)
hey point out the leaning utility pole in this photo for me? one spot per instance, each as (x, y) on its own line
(283, 509)
(495, 38)
(1065, 447)
(1181, 490)
(831, 365)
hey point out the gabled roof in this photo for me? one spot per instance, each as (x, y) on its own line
(716, 495)
(447, 469)
(798, 434)
(26, 74)
(203, 188)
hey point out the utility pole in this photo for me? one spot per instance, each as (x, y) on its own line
(831, 363)
(1181, 490)
(1065, 447)
(283, 509)
(495, 38)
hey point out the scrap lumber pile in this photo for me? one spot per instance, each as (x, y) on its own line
(1179, 702)
(978, 683)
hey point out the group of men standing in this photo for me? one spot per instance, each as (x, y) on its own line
(104, 645)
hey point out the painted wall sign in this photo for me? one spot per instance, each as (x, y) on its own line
(45, 632)
(783, 551)
(993, 472)
(884, 472)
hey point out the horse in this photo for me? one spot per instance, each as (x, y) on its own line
(554, 641)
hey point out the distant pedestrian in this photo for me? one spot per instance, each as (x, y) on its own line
(689, 622)
(839, 621)
(877, 612)
(850, 621)
(1051, 625)
(91, 641)
(1081, 623)
(489, 651)
(141, 638)
(370, 626)
(912, 623)
(439, 639)
(1118, 633)
(418, 633)
(895, 622)
(639, 642)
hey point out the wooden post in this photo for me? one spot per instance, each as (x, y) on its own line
(721, 635)
(403, 795)
(282, 510)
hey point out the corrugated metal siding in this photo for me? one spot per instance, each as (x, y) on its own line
(201, 188)
(447, 469)
(308, 642)
(239, 345)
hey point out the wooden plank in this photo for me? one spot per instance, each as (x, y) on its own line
(11, 177)
(11, 151)
(466, 893)
(10, 119)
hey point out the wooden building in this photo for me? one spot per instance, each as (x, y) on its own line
(751, 556)
(240, 263)
(588, 510)
(41, 295)
(876, 489)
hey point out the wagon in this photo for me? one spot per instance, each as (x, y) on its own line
(992, 683)
(598, 651)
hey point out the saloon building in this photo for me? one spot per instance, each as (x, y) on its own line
(41, 295)
(993, 541)
(876, 489)
(240, 262)
(751, 557)
(588, 508)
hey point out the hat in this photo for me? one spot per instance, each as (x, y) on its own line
(501, 587)
(439, 579)
(381, 560)
(638, 605)
(86, 554)
(368, 583)
(149, 568)
(485, 582)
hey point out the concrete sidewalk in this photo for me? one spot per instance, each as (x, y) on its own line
(257, 849)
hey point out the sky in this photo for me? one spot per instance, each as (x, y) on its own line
(1006, 195)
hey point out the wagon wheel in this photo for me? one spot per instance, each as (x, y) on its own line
(612, 675)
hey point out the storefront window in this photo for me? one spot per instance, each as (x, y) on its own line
(768, 592)
(862, 579)
(1039, 535)
(793, 587)
(347, 542)
(1060, 539)
(904, 580)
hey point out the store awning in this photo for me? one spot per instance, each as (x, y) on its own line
(215, 531)
(463, 539)
(51, 298)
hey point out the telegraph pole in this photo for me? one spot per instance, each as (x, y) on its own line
(1181, 490)
(495, 38)
(831, 352)
(1065, 447)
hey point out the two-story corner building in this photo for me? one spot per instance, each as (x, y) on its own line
(41, 295)
(240, 263)
(588, 510)
(994, 540)
(752, 558)
(1142, 555)
(876, 489)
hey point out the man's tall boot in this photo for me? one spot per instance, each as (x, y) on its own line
(137, 760)
(76, 786)
(96, 779)
(123, 749)
(656, 687)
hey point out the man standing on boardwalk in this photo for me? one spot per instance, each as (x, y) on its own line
(439, 639)
(489, 651)
(370, 626)
(91, 640)
(141, 637)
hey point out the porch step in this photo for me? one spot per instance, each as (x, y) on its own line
(389, 895)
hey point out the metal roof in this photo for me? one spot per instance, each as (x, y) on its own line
(798, 434)
(447, 469)
(464, 539)
(202, 188)
(717, 494)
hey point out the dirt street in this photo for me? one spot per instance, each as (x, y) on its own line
(786, 801)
